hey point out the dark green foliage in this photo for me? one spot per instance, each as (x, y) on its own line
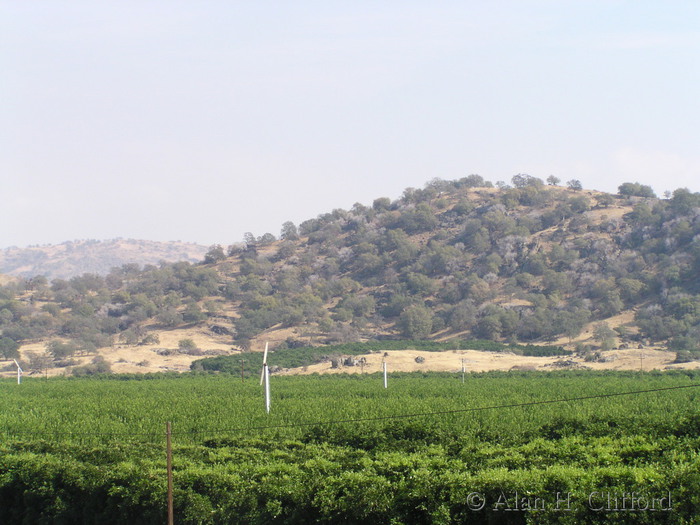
(8, 348)
(193, 314)
(61, 350)
(289, 231)
(473, 181)
(574, 184)
(635, 189)
(421, 218)
(215, 254)
(523, 180)
(686, 356)
(97, 366)
(186, 344)
(416, 322)
(372, 469)
(684, 202)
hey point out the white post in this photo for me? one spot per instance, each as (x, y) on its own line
(266, 371)
(262, 372)
(19, 372)
(462, 370)
(384, 365)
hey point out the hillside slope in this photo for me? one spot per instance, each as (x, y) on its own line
(530, 263)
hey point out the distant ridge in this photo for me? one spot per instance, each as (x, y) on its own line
(73, 258)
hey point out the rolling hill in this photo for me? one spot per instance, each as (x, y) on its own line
(527, 263)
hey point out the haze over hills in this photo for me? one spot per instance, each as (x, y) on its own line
(73, 258)
(527, 263)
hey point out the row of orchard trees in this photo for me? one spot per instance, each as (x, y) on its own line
(342, 449)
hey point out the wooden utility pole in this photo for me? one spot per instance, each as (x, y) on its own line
(242, 363)
(169, 452)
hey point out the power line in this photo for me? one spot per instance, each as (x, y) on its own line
(436, 413)
(156, 433)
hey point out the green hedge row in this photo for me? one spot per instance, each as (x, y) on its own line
(292, 482)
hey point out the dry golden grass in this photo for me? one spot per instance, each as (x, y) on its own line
(139, 358)
(143, 359)
(625, 318)
(478, 361)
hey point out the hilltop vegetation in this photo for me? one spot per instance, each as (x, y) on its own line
(528, 262)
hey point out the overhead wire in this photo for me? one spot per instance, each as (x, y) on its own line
(257, 428)
(433, 413)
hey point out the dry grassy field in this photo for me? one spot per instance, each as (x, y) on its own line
(164, 357)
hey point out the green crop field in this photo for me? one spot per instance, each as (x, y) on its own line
(498, 448)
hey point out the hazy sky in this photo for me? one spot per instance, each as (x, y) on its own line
(201, 120)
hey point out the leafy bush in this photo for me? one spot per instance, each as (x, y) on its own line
(98, 365)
